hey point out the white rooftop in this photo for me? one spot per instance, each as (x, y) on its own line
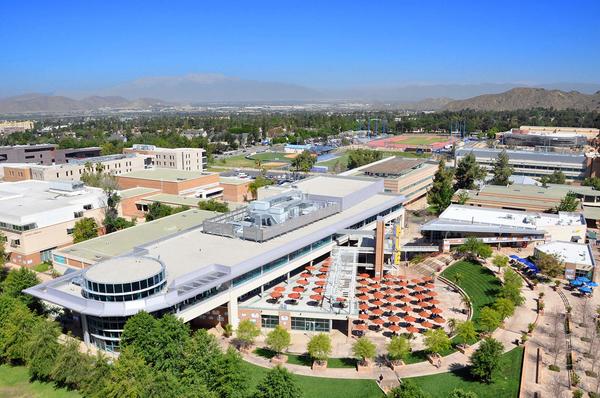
(33, 201)
(509, 218)
(123, 270)
(568, 252)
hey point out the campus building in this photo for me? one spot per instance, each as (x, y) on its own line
(44, 154)
(577, 258)
(73, 169)
(588, 132)
(15, 126)
(502, 227)
(175, 182)
(409, 177)
(37, 217)
(575, 166)
(529, 197)
(215, 271)
(189, 159)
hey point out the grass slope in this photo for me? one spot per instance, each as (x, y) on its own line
(505, 381)
(478, 282)
(14, 382)
(317, 387)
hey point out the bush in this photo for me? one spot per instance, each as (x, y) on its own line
(577, 394)
(554, 368)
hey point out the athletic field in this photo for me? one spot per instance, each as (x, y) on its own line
(413, 141)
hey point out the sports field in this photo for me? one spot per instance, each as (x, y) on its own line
(424, 140)
(431, 141)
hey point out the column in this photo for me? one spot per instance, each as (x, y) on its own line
(232, 311)
(85, 330)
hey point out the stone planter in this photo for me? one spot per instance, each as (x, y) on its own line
(279, 359)
(435, 360)
(396, 365)
(464, 348)
(319, 365)
(364, 366)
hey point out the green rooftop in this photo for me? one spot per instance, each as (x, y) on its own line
(121, 242)
(172, 175)
(171, 199)
(131, 192)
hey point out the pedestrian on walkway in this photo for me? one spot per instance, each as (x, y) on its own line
(380, 378)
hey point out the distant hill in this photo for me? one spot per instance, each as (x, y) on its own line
(41, 103)
(527, 98)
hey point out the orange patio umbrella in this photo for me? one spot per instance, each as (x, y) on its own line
(394, 327)
(394, 318)
(376, 278)
(403, 283)
(409, 318)
(361, 326)
(419, 296)
(437, 311)
(416, 280)
(423, 304)
(377, 303)
(310, 268)
(377, 311)
(378, 321)
(427, 324)
(364, 275)
(431, 294)
(391, 292)
(412, 329)
(363, 289)
(279, 288)
(320, 283)
(424, 314)
(363, 297)
(324, 269)
(363, 307)
(389, 282)
(363, 316)
(306, 274)
(298, 289)
(316, 297)
(404, 291)
(364, 282)
(391, 299)
(375, 285)
(378, 295)
(302, 282)
(294, 296)
(340, 299)
(275, 294)
(434, 301)
(405, 299)
(419, 289)
(318, 289)
(322, 276)
(439, 319)
(430, 286)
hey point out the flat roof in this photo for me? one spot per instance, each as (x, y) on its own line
(172, 199)
(569, 252)
(332, 185)
(234, 180)
(121, 242)
(131, 192)
(171, 175)
(123, 270)
(395, 166)
(554, 157)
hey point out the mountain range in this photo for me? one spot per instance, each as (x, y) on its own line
(195, 89)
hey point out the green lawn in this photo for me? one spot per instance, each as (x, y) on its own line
(343, 158)
(14, 382)
(505, 381)
(305, 360)
(318, 387)
(423, 140)
(242, 161)
(480, 284)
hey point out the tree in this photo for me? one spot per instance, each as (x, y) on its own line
(70, 366)
(502, 170)
(278, 339)
(511, 289)
(18, 280)
(246, 333)
(139, 333)
(440, 194)
(213, 205)
(361, 157)
(568, 203)
(158, 210)
(3, 256)
(364, 349)
(15, 329)
(500, 261)
(171, 341)
(504, 307)
(485, 359)
(96, 376)
(437, 341)
(557, 177)
(278, 383)
(473, 248)
(230, 376)
(398, 348)
(462, 197)
(466, 332)
(319, 347)
(304, 161)
(467, 172)
(42, 349)
(259, 182)
(129, 377)
(489, 319)
(593, 182)
(85, 229)
(549, 264)
(407, 389)
(460, 393)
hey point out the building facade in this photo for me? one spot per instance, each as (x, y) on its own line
(188, 159)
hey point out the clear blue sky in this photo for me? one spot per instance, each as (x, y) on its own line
(68, 45)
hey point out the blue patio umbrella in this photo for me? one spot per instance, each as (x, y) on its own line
(585, 289)
(583, 279)
(592, 284)
(575, 282)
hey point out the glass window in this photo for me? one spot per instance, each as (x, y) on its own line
(109, 289)
(269, 321)
(144, 284)
(135, 286)
(118, 288)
